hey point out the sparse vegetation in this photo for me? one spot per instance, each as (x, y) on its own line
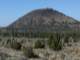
(55, 42)
(66, 39)
(13, 44)
(39, 44)
(28, 52)
(0, 39)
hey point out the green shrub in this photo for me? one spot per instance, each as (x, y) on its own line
(28, 52)
(13, 44)
(55, 42)
(66, 39)
(51, 38)
(0, 39)
(39, 44)
(69, 37)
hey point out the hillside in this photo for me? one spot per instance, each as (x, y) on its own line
(43, 20)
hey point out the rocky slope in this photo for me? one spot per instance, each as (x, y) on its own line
(43, 20)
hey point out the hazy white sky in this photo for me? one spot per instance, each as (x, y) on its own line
(10, 10)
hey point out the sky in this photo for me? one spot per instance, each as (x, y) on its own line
(11, 10)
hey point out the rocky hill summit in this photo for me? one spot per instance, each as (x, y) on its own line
(44, 20)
